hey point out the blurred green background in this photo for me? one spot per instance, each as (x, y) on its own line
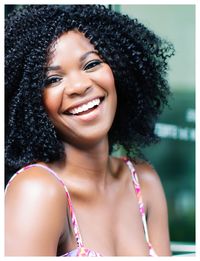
(174, 156)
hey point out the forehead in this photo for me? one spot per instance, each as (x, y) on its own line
(72, 43)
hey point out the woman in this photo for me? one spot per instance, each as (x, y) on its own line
(80, 79)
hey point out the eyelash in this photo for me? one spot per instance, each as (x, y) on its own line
(90, 65)
(52, 80)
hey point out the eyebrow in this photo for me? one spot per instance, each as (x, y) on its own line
(52, 68)
(82, 58)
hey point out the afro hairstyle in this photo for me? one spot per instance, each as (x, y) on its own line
(138, 59)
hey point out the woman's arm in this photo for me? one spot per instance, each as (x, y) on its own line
(35, 214)
(156, 209)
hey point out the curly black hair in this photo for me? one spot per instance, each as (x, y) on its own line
(137, 57)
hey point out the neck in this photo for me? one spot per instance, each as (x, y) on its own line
(91, 164)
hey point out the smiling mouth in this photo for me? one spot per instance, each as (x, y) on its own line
(85, 108)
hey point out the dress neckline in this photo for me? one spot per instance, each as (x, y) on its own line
(81, 250)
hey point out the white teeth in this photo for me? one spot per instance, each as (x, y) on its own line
(85, 107)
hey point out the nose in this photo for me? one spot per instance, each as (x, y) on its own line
(78, 83)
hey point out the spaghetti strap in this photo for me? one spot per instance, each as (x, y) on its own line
(139, 197)
(71, 209)
(81, 250)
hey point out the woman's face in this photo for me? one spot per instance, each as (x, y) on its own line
(80, 95)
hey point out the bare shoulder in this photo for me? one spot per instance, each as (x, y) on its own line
(155, 207)
(147, 175)
(151, 186)
(33, 196)
(35, 181)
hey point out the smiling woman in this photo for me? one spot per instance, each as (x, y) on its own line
(80, 79)
(80, 95)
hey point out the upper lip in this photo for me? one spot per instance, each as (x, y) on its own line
(75, 105)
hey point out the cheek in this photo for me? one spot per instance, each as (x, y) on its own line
(51, 100)
(109, 75)
(106, 79)
(110, 83)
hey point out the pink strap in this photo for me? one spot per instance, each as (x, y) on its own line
(139, 197)
(71, 210)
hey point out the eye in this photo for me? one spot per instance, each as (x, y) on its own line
(52, 80)
(92, 64)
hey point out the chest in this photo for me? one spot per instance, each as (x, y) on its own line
(111, 226)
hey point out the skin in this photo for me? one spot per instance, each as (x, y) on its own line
(100, 186)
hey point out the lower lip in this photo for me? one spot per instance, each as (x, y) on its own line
(90, 115)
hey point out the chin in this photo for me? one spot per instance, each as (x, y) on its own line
(89, 138)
